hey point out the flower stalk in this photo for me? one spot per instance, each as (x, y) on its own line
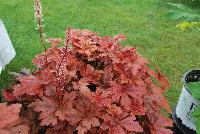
(39, 19)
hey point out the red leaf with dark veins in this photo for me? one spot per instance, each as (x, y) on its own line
(30, 85)
(130, 124)
(47, 107)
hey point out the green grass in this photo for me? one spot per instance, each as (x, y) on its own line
(140, 20)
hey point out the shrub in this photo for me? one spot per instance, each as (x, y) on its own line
(90, 85)
(182, 12)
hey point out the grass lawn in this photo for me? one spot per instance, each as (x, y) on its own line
(140, 20)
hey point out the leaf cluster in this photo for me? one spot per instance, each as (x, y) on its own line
(90, 85)
(180, 11)
(189, 17)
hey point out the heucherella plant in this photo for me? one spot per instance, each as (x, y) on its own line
(90, 85)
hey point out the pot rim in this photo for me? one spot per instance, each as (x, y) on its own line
(185, 81)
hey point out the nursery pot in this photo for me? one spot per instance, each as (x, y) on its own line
(182, 113)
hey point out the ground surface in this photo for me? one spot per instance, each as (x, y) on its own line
(140, 20)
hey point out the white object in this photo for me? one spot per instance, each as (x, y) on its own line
(0, 69)
(7, 52)
(186, 105)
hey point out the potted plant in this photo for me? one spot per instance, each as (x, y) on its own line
(187, 113)
(90, 85)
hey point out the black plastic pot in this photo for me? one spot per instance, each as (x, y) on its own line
(191, 76)
(179, 128)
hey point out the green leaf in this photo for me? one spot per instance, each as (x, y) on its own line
(184, 25)
(180, 7)
(194, 88)
(179, 11)
(196, 114)
(198, 125)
